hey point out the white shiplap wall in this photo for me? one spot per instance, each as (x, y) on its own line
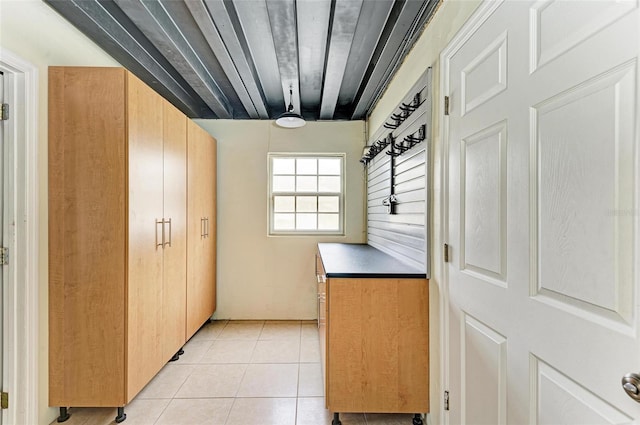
(403, 234)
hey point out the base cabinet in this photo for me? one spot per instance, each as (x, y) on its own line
(117, 236)
(375, 344)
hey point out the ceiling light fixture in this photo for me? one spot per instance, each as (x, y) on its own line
(290, 119)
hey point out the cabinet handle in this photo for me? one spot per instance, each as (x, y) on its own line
(161, 243)
(201, 227)
(166, 243)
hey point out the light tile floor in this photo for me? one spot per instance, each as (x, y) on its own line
(238, 373)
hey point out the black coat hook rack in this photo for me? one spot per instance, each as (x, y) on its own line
(395, 120)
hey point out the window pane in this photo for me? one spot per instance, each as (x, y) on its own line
(329, 166)
(307, 193)
(328, 222)
(307, 166)
(306, 184)
(328, 204)
(284, 204)
(306, 204)
(284, 222)
(284, 183)
(306, 221)
(329, 184)
(284, 166)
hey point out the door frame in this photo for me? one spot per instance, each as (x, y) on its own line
(20, 324)
(468, 29)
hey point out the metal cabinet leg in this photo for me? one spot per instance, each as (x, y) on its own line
(177, 355)
(336, 419)
(417, 419)
(121, 415)
(64, 415)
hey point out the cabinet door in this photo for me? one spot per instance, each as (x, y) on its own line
(174, 292)
(144, 302)
(201, 227)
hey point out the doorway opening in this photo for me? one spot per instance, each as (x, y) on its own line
(19, 236)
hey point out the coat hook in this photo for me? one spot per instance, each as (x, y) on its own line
(393, 154)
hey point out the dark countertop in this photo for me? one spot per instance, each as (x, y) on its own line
(364, 261)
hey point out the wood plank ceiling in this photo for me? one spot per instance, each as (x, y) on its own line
(237, 59)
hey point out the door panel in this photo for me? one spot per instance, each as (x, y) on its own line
(484, 370)
(483, 223)
(560, 399)
(594, 122)
(174, 293)
(144, 312)
(542, 145)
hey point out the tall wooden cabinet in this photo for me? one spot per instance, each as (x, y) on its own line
(201, 250)
(117, 236)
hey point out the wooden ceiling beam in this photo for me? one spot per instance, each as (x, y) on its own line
(343, 28)
(406, 16)
(251, 18)
(313, 27)
(214, 21)
(108, 27)
(370, 27)
(282, 18)
(157, 25)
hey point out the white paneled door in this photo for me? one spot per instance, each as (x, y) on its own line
(542, 157)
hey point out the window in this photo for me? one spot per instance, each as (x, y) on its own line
(306, 194)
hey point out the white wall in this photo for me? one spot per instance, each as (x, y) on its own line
(450, 16)
(263, 277)
(36, 33)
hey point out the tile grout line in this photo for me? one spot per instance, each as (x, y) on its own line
(297, 394)
(163, 410)
(173, 397)
(243, 374)
(230, 410)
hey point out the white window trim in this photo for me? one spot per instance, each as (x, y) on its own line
(270, 194)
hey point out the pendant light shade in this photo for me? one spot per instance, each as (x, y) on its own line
(290, 119)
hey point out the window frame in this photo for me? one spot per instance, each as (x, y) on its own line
(271, 195)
